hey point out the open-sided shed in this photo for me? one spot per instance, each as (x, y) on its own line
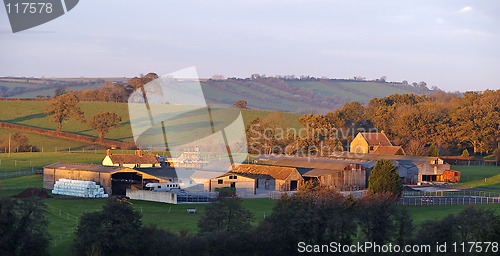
(114, 180)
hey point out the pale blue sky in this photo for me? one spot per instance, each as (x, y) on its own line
(454, 45)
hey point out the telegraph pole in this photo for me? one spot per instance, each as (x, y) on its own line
(9, 144)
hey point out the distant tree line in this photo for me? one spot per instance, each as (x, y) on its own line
(115, 92)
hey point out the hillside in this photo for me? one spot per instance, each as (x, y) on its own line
(31, 113)
(309, 95)
(300, 96)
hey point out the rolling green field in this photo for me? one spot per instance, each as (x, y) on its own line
(479, 176)
(42, 142)
(31, 113)
(37, 160)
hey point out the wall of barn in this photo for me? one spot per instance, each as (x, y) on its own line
(333, 180)
(294, 176)
(242, 184)
(144, 195)
(50, 176)
(354, 179)
(267, 184)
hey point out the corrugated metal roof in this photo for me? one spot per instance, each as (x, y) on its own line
(165, 173)
(319, 172)
(313, 163)
(276, 172)
(84, 167)
(250, 175)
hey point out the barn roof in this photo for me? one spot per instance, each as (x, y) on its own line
(318, 172)
(276, 172)
(165, 173)
(388, 150)
(133, 159)
(376, 139)
(84, 167)
(307, 164)
(249, 175)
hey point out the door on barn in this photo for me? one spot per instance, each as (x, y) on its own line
(293, 185)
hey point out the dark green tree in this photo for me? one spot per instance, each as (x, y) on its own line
(226, 214)
(377, 217)
(115, 230)
(314, 215)
(470, 223)
(434, 150)
(384, 178)
(23, 227)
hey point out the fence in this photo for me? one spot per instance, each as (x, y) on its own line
(196, 197)
(460, 193)
(68, 136)
(5, 175)
(464, 197)
(66, 216)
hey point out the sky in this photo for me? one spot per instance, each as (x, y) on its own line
(454, 45)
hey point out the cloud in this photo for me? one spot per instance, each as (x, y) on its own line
(465, 9)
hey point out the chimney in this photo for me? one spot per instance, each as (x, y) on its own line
(139, 152)
(108, 152)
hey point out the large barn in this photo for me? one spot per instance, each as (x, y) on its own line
(251, 178)
(336, 174)
(115, 180)
(411, 169)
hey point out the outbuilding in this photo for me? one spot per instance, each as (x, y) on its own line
(115, 180)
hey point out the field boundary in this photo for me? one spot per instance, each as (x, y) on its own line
(68, 136)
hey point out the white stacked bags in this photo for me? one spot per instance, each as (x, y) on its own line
(80, 188)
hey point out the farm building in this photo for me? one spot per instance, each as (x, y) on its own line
(137, 160)
(374, 143)
(411, 169)
(341, 177)
(337, 174)
(115, 180)
(250, 178)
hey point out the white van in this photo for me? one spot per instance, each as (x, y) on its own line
(163, 187)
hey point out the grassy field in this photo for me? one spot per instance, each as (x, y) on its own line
(479, 176)
(64, 212)
(27, 161)
(31, 113)
(43, 143)
(420, 214)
